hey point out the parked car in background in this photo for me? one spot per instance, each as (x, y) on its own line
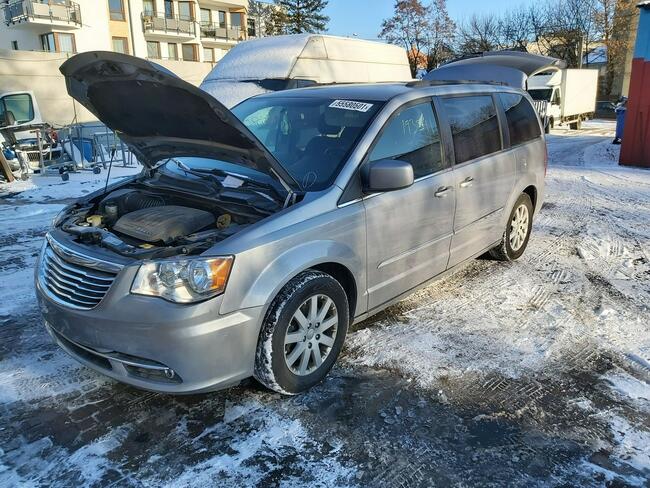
(570, 95)
(605, 110)
(254, 238)
(283, 62)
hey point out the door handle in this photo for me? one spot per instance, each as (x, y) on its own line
(467, 182)
(442, 192)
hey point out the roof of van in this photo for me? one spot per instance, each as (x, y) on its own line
(275, 56)
(380, 92)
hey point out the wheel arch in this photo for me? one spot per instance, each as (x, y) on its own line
(531, 191)
(345, 277)
(331, 257)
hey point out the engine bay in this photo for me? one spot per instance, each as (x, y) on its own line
(146, 223)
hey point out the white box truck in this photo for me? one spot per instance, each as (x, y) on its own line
(565, 96)
(294, 61)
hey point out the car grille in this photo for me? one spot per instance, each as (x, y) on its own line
(74, 285)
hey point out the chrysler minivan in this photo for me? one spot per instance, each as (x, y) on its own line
(253, 238)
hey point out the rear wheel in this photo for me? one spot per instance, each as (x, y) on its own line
(303, 333)
(577, 125)
(517, 233)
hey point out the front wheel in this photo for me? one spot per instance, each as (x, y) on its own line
(517, 233)
(302, 334)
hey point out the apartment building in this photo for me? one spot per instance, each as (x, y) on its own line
(182, 30)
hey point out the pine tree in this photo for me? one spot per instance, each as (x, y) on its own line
(304, 15)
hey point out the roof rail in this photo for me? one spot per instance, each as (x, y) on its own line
(425, 83)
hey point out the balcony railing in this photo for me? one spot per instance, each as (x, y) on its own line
(218, 32)
(54, 11)
(168, 25)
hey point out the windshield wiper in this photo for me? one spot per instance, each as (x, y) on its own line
(185, 168)
(249, 182)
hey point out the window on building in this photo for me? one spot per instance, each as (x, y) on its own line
(222, 19)
(252, 31)
(14, 45)
(65, 43)
(206, 16)
(169, 9)
(153, 49)
(20, 105)
(121, 45)
(523, 124)
(58, 42)
(235, 20)
(189, 52)
(116, 8)
(172, 50)
(474, 126)
(185, 11)
(149, 7)
(412, 135)
(208, 54)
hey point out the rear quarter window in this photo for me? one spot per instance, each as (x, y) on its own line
(523, 124)
(474, 126)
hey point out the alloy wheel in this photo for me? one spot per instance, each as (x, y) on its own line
(519, 227)
(311, 334)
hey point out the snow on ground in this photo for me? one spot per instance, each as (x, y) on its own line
(534, 373)
(52, 187)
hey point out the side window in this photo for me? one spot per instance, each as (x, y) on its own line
(20, 105)
(522, 119)
(412, 135)
(474, 126)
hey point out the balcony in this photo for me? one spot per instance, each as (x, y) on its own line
(172, 26)
(58, 13)
(216, 32)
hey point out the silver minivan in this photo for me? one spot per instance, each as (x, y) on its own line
(254, 237)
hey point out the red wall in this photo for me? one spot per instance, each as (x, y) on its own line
(636, 137)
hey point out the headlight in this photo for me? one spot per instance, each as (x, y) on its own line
(183, 280)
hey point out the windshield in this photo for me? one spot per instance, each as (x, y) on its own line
(541, 94)
(310, 137)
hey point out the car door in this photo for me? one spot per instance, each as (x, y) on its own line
(409, 231)
(483, 173)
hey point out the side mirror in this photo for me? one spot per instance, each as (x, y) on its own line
(386, 175)
(8, 119)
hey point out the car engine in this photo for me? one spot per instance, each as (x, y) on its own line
(149, 224)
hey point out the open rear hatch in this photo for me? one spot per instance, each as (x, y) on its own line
(159, 116)
(512, 68)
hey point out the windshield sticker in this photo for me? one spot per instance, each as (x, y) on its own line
(351, 105)
(232, 182)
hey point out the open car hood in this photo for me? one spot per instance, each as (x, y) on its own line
(158, 115)
(512, 68)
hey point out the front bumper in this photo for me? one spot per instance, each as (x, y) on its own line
(153, 344)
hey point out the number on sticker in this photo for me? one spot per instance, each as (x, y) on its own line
(351, 105)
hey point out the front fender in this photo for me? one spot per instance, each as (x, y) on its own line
(278, 272)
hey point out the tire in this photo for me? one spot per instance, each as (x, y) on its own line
(510, 247)
(280, 366)
(577, 125)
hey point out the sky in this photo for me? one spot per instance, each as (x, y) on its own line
(363, 17)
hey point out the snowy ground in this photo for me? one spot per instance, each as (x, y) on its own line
(535, 373)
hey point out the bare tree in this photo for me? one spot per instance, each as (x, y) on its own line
(409, 27)
(565, 29)
(515, 30)
(441, 35)
(614, 18)
(479, 34)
